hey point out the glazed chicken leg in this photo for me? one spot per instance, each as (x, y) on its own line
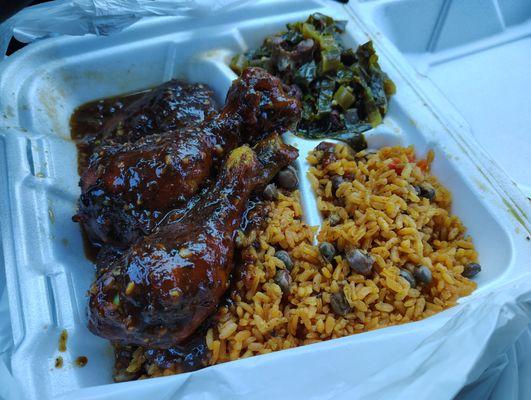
(172, 105)
(127, 188)
(168, 283)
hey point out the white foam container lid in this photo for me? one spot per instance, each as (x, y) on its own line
(47, 274)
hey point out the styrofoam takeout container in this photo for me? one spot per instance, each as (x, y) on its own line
(47, 274)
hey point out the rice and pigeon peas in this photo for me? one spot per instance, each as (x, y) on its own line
(389, 252)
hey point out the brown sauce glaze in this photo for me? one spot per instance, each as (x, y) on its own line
(88, 120)
(90, 125)
(166, 284)
(129, 117)
(154, 310)
(129, 184)
(114, 126)
(124, 119)
(193, 354)
(133, 362)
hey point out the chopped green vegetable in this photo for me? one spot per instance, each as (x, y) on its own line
(326, 93)
(330, 60)
(344, 97)
(305, 75)
(239, 63)
(309, 32)
(344, 91)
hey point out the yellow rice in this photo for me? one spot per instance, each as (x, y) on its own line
(379, 213)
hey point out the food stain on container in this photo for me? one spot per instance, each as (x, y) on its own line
(62, 340)
(59, 362)
(51, 215)
(81, 361)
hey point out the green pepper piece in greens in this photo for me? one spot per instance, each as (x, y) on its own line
(344, 97)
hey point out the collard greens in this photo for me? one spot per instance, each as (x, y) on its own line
(343, 92)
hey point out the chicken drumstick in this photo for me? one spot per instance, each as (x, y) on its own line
(127, 188)
(168, 283)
